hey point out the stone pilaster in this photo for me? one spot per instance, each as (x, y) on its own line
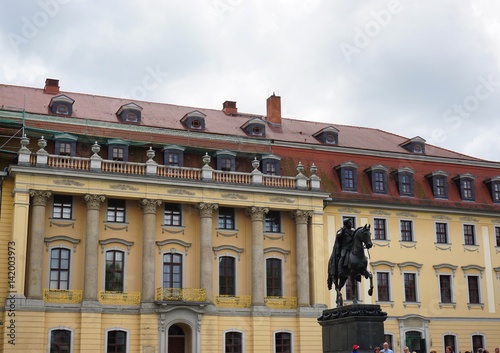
(148, 248)
(206, 274)
(35, 267)
(302, 253)
(257, 216)
(93, 203)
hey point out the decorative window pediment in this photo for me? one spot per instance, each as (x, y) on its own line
(130, 113)
(226, 160)
(328, 135)
(438, 181)
(405, 181)
(493, 185)
(414, 145)
(271, 164)
(194, 120)
(465, 185)
(348, 176)
(254, 127)
(61, 104)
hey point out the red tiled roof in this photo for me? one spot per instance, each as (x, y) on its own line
(161, 115)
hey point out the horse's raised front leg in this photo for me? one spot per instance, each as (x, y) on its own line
(370, 276)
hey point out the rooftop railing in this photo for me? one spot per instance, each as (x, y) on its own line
(95, 163)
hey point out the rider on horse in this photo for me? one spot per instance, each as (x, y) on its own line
(343, 243)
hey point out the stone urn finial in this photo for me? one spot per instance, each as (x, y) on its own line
(42, 143)
(313, 169)
(96, 148)
(206, 158)
(255, 164)
(150, 153)
(300, 167)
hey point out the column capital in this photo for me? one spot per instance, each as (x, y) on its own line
(207, 209)
(93, 202)
(301, 216)
(149, 205)
(257, 213)
(40, 197)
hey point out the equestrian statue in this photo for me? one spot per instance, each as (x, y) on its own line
(348, 259)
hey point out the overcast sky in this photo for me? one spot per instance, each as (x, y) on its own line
(414, 68)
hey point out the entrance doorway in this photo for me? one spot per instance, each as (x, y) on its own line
(415, 342)
(176, 339)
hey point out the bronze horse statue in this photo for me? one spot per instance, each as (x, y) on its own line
(357, 264)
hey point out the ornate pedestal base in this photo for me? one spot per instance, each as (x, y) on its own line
(361, 324)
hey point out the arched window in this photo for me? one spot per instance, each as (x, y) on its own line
(60, 341)
(233, 342)
(282, 342)
(116, 341)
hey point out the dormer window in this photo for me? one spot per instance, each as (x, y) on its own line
(348, 176)
(414, 145)
(439, 184)
(173, 155)
(465, 184)
(61, 105)
(271, 164)
(226, 160)
(65, 145)
(254, 127)
(494, 188)
(130, 113)
(117, 150)
(194, 120)
(329, 135)
(378, 179)
(405, 181)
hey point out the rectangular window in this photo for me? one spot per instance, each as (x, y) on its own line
(117, 153)
(59, 268)
(406, 231)
(62, 207)
(405, 184)
(273, 222)
(117, 341)
(383, 287)
(226, 218)
(225, 163)
(174, 159)
(283, 342)
(172, 215)
(497, 236)
(274, 278)
(227, 275)
(114, 270)
(233, 342)
(116, 211)
(270, 167)
(349, 179)
(172, 270)
(496, 191)
(445, 288)
(467, 189)
(441, 233)
(379, 181)
(379, 229)
(65, 149)
(473, 288)
(60, 341)
(469, 234)
(410, 283)
(440, 187)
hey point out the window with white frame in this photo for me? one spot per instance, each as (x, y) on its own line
(172, 214)
(477, 342)
(406, 230)
(115, 271)
(227, 275)
(116, 341)
(226, 219)
(233, 342)
(274, 277)
(59, 268)
(473, 289)
(172, 270)
(446, 288)
(282, 342)
(450, 341)
(116, 210)
(469, 234)
(62, 207)
(61, 341)
(442, 233)
(410, 287)
(383, 286)
(380, 228)
(272, 223)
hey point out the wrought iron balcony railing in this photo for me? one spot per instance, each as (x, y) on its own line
(66, 296)
(181, 294)
(120, 298)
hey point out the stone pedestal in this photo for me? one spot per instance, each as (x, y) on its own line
(343, 327)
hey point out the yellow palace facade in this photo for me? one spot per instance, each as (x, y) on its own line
(146, 227)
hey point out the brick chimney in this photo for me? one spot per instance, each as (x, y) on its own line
(229, 108)
(51, 86)
(274, 109)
